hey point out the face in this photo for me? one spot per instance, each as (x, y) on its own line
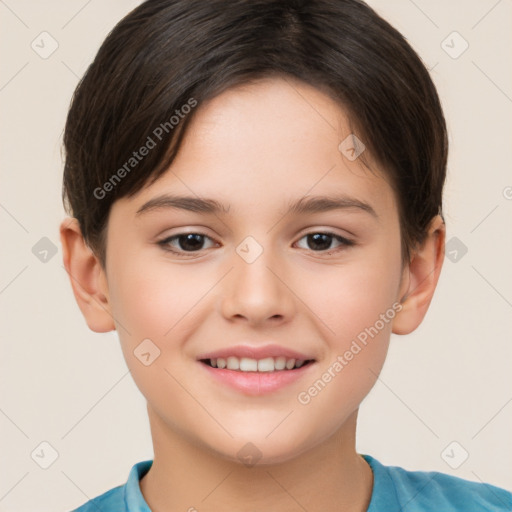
(255, 281)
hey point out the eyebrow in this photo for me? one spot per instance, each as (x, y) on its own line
(307, 204)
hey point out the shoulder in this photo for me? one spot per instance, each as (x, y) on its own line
(112, 500)
(418, 491)
(450, 492)
(123, 498)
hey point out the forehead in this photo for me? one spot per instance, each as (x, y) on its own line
(267, 143)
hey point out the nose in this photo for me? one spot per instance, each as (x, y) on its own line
(258, 292)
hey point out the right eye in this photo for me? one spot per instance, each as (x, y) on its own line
(187, 243)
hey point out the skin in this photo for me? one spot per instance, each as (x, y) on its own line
(255, 149)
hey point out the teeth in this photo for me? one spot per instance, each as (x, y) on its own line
(290, 364)
(246, 364)
(280, 363)
(266, 365)
(233, 363)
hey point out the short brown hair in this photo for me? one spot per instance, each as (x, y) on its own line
(166, 53)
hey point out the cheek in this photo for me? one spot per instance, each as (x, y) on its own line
(355, 304)
(153, 297)
(156, 301)
(351, 298)
(164, 303)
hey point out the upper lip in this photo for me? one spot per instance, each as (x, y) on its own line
(252, 352)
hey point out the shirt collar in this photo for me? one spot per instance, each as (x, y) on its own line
(384, 495)
(133, 499)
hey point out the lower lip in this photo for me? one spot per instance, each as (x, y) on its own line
(257, 383)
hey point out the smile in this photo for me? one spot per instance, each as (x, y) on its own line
(257, 377)
(247, 364)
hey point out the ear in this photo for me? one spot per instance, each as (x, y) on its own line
(88, 278)
(420, 277)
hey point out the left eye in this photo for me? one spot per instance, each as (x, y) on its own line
(322, 241)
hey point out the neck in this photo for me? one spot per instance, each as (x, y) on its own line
(188, 477)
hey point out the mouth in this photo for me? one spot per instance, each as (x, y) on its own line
(256, 370)
(250, 365)
(257, 377)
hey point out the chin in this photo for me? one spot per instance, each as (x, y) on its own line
(261, 452)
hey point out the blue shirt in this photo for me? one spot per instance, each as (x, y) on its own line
(394, 490)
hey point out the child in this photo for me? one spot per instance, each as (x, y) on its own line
(260, 128)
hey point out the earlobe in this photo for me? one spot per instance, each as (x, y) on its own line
(87, 277)
(420, 278)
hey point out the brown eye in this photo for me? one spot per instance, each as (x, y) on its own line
(183, 243)
(321, 241)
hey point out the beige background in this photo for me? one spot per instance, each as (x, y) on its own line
(61, 383)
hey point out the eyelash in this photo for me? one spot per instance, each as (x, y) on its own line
(185, 254)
